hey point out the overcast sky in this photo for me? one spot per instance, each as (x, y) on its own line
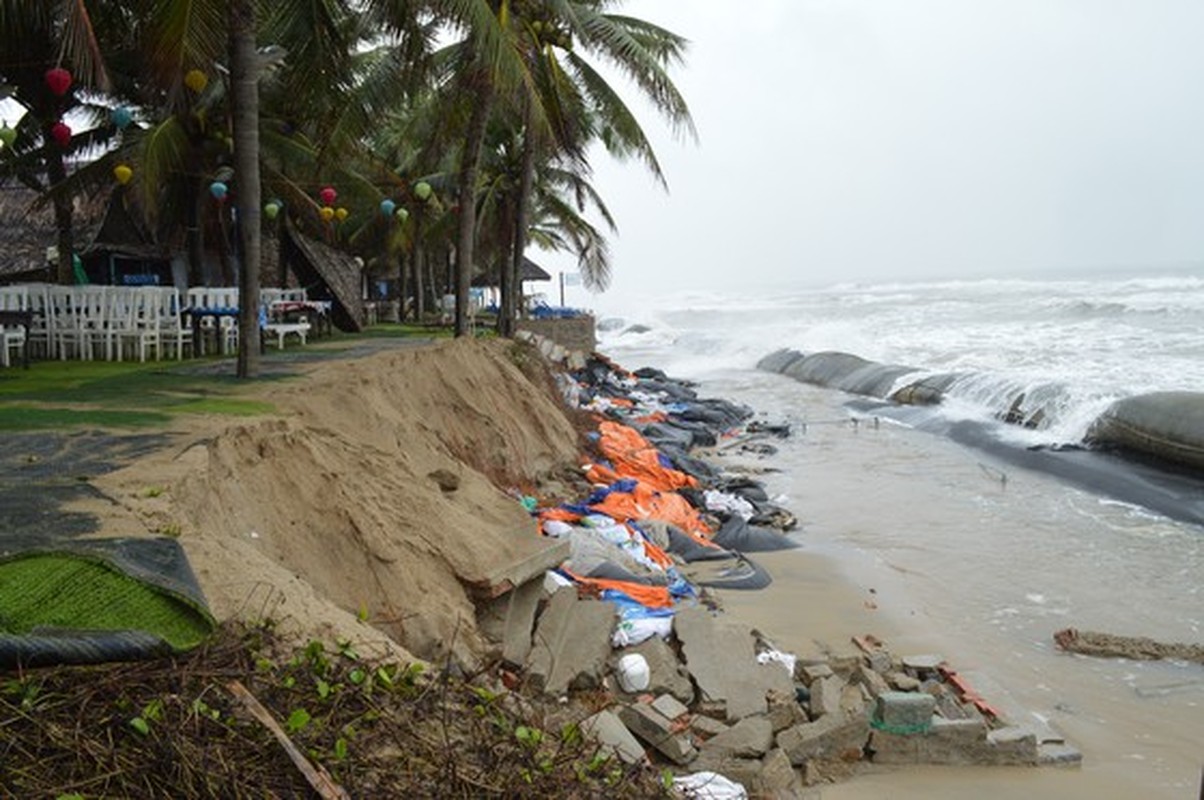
(869, 139)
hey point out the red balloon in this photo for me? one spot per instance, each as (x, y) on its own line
(328, 195)
(59, 80)
(61, 133)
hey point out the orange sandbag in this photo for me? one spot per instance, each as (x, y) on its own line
(634, 457)
(644, 502)
(648, 596)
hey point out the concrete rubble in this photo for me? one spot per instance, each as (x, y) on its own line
(710, 706)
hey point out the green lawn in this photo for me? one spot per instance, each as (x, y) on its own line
(69, 394)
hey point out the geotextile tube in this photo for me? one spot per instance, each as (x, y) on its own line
(97, 600)
(1168, 425)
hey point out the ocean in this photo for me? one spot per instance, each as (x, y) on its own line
(955, 548)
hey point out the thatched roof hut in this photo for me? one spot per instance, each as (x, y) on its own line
(321, 269)
(28, 232)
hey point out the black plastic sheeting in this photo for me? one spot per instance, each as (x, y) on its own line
(159, 563)
(736, 534)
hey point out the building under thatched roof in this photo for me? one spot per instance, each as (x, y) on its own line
(529, 271)
(28, 232)
(323, 271)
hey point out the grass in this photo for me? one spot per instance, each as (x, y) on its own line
(61, 395)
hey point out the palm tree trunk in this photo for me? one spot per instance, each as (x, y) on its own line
(244, 97)
(418, 264)
(469, 164)
(56, 171)
(505, 314)
(521, 215)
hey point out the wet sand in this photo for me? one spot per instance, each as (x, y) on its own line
(983, 572)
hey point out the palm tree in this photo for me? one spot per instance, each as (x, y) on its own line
(39, 37)
(244, 101)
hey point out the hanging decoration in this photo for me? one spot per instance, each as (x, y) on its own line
(328, 195)
(402, 215)
(7, 135)
(272, 209)
(326, 213)
(61, 133)
(121, 117)
(218, 190)
(58, 80)
(422, 190)
(196, 80)
(387, 206)
(123, 173)
(341, 213)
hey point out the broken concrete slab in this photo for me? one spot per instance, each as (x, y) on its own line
(813, 672)
(651, 727)
(784, 711)
(751, 737)
(520, 622)
(903, 682)
(706, 726)
(778, 778)
(829, 737)
(608, 731)
(571, 643)
(666, 675)
(669, 707)
(923, 663)
(721, 659)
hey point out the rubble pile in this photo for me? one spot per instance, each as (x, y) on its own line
(627, 623)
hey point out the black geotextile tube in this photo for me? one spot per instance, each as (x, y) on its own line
(158, 563)
(738, 535)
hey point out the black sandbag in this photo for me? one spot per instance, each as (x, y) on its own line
(688, 550)
(700, 435)
(738, 535)
(744, 574)
(651, 373)
(610, 571)
(688, 464)
(658, 434)
(747, 488)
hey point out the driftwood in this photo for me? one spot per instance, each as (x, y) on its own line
(317, 776)
(1136, 648)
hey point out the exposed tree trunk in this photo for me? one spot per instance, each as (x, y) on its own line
(402, 285)
(56, 172)
(521, 215)
(244, 97)
(469, 165)
(194, 241)
(505, 314)
(418, 264)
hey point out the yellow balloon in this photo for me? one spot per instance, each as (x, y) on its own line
(123, 174)
(196, 80)
(327, 213)
(341, 214)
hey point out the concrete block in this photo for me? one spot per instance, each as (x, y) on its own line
(879, 661)
(958, 732)
(1012, 746)
(813, 672)
(871, 680)
(905, 712)
(649, 726)
(825, 696)
(923, 663)
(608, 731)
(784, 711)
(853, 701)
(571, 644)
(706, 726)
(778, 778)
(669, 707)
(666, 674)
(749, 738)
(744, 771)
(1055, 754)
(902, 682)
(520, 622)
(895, 749)
(831, 736)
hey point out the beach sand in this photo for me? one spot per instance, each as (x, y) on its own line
(329, 516)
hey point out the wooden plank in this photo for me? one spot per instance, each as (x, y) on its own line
(317, 776)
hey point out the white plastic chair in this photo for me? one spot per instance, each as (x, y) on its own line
(135, 319)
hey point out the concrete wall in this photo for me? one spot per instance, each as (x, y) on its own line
(575, 334)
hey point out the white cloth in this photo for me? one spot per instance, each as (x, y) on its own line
(709, 786)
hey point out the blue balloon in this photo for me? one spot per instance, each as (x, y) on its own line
(218, 190)
(121, 117)
(387, 206)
